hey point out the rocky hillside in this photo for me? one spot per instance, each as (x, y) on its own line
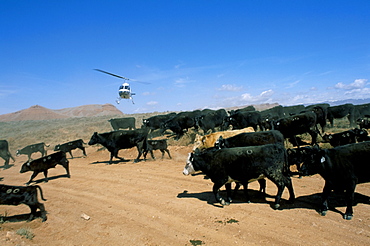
(37, 112)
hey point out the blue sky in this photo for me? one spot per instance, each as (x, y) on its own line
(195, 54)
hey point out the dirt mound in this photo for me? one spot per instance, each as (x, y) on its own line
(90, 110)
(32, 113)
(38, 112)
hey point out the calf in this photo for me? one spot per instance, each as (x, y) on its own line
(44, 163)
(15, 195)
(4, 152)
(242, 164)
(160, 144)
(68, 147)
(28, 150)
(342, 168)
(298, 124)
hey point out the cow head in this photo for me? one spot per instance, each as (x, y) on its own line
(26, 167)
(220, 143)
(315, 160)
(189, 168)
(57, 147)
(94, 139)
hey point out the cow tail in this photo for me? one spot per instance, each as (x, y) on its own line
(286, 167)
(11, 156)
(41, 195)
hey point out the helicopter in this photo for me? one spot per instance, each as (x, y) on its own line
(124, 90)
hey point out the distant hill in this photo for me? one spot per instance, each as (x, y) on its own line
(38, 112)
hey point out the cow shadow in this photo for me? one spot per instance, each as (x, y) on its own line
(19, 217)
(42, 180)
(113, 162)
(208, 196)
(4, 167)
(335, 200)
(311, 202)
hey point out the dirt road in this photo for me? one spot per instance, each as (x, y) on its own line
(153, 203)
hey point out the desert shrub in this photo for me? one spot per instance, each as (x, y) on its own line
(26, 232)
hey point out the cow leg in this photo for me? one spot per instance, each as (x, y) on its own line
(350, 192)
(313, 134)
(162, 151)
(46, 175)
(237, 186)
(246, 193)
(168, 152)
(33, 211)
(66, 167)
(289, 185)
(152, 155)
(228, 192)
(324, 199)
(280, 183)
(32, 177)
(139, 155)
(70, 152)
(83, 151)
(262, 183)
(216, 188)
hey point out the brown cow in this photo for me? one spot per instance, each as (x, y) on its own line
(208, 141)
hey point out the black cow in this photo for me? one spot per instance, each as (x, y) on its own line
(157, 121)
(341, 138)
(123, 123)
(28, 150)
(363, 123)
(212, 120)
(183, 121)
(361, 135)
(291, 126)
(362, 110)
(250, 139)
(321, 111)
(4, 152)
(69, 146)
(15, 195)
(242, 164)
(342, 168)
(271, 114)
(116, 140)
(160, 144)
(44, 163)
(340, 111)
(292, 110)
(243, 119)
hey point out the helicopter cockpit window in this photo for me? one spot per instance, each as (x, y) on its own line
(121, 87)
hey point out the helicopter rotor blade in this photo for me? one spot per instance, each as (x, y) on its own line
(112, 74)
(118, 76)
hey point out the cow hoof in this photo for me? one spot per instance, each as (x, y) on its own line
(323, 213)
(276, 206)
(347, 216)
(224, 203)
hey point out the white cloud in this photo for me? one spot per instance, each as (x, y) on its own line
(358, 83)
(230, 88)
(152, 103)
(264, 97)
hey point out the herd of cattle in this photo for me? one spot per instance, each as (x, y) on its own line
(227, 150)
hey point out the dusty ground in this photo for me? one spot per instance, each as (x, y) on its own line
(153, 203)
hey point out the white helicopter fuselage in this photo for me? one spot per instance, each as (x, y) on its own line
(125, 91)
